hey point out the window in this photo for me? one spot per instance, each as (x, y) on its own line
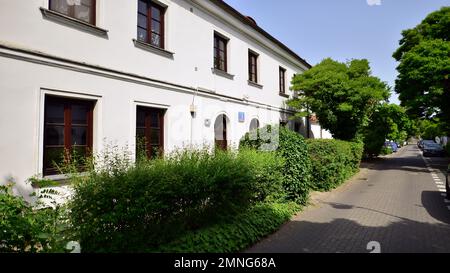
(149, 131)
(282, 78)
(83, 10)
(254, 124)
(220, 132)
(67, 131)
(252, 66)
(220, 52)
(150, 27)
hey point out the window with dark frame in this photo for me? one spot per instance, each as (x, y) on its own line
(282, 78)
(150, 28)
(68, 133)
(149, 132)
(254, 124)
(252, 66)
(83, 10)
(220, 52)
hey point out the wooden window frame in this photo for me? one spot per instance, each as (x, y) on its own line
(71, 12)
(282, 80)
(152, 4)
(220, 38)
(253, 55)
(67, 116)
(148, 128)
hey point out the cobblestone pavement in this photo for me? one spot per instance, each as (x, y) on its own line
(395, 201)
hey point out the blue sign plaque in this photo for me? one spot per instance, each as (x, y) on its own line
(241, 117)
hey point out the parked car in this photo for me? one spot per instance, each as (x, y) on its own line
(433, 149)
(422, 142)
(447, 185)
(392, 145)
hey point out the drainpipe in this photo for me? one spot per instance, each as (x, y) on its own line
(193, 111)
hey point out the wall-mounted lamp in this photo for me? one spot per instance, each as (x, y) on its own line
(193, 110)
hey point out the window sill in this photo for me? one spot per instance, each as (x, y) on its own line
(72, 22)
(153, 49)
(222, 73)
(284, 95)
(58, 179)
(254, 84)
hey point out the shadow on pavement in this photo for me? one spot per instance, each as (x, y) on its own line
(348, 236)
(437, 210)
(394, 233)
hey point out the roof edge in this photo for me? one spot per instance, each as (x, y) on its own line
(232, 11)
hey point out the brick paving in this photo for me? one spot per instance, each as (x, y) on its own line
(393, 201)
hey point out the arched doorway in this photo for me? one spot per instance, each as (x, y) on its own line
(220, 132)
(254, 124)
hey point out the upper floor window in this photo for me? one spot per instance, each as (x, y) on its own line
(220, 52)
(83, 10)
(282, 78)
(252, 66)
(150, 27)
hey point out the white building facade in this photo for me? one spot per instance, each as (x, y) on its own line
(78, 74)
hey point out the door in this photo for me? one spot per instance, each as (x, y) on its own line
(220, 132)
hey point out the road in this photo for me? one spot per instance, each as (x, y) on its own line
(396, 201)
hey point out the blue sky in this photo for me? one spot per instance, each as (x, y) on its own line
(341, 29)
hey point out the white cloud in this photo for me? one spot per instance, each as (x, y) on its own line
(373, 2)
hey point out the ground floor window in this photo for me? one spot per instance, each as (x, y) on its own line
(149, 132)
(220, 132)
(67, 132)
(254, 124)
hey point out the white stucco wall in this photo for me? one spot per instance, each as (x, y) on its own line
(26, 77)
(318, 132)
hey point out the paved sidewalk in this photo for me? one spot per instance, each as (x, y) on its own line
(393, 201)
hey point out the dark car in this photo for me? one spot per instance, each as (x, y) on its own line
(422, 142)
(433, 149)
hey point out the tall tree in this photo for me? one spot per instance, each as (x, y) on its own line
(389, 121)
(342, 95)
(423, 82)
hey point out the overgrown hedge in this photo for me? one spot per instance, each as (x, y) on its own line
(292, 148)
(190, 201)
(236, 232)
(144, 206)
(333, 161)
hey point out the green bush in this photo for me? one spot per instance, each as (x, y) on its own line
(386, 150)
(267, 174)
(236, 233)
(27, 229)
(141, 207)
(292, 148)
(333, 161)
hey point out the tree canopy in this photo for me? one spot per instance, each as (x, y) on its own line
(424, 55)
(388, 122)
(342, 95)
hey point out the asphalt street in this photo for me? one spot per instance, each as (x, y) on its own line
(395, 204)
